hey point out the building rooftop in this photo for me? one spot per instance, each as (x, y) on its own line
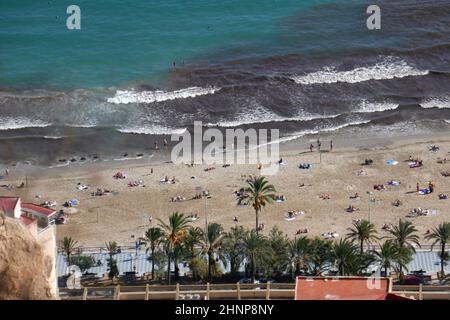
(8, 204)
(38, 209)
(344, 288)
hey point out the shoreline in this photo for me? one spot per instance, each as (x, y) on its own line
(161, 156)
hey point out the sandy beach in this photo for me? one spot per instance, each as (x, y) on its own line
(340, 175)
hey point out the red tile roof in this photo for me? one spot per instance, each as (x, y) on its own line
(343, 288)
(38, 209)
(8, 204)
(26, 220)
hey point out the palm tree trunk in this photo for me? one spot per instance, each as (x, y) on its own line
(175, 262)
(362, 246)
(257, 221)
(442, 259)
(153, 264)
(253, 269)
(209, 266)
(168, 267)
(194, 276)
(232, 267)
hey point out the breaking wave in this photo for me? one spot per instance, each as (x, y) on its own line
(20, 123)
(125, 97)
(389, 68)
(440, 103)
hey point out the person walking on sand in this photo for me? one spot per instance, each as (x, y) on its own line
(417, 187)
(156, 145)
(311, 147)
(165, 143)
(331, 145)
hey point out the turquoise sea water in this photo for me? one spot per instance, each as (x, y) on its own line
(304, 67)
(138, 41)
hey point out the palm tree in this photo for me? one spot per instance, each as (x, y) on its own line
(299, 254)
(68, 245)
(152, 239)
(193, 238)
(391, 255)
(279, 259)
(255, 246)
(404, 235)
(232, 247)
(362, 231)
(212, 240)
(175, 232)
(258, 193)
(344, 254)
(113, 249)
(441, 235)
(320, 256)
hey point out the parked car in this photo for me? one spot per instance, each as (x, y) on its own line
(247, 280)
(266, 280)
(412, 280)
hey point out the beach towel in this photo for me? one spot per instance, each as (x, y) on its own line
(394, 183)
(167, 182)
(280, 200)
(289, 219)
(391, 162)
(72, 202)
(413, 165)
(424, 191)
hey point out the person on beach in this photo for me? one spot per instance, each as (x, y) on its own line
(431, 186)
(331, 145)
(165, 143)
(417, 187)
(156, 145)
(311, 147)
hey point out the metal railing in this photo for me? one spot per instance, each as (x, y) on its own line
(226, 291)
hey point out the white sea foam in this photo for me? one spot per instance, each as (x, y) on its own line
(9, 123)
(156, 129)
(441, 103)
(262, 115)
(125, 97)
(389, 68)
(303, 133)
(369, 107)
